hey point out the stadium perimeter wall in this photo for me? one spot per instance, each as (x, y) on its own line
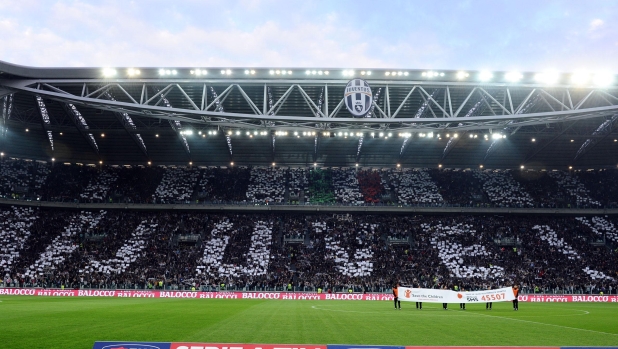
(567, 298)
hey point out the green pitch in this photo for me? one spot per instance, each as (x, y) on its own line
(41, 322)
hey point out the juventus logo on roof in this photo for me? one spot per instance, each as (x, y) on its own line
(358, 97)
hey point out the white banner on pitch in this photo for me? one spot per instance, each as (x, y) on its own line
(447, 296)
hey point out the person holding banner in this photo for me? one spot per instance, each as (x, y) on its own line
(489, 304)
(516, 300)
(419, 305)
(444, 305)
(396, 295)
(462, 306)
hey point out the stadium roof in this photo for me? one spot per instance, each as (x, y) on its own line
(298, 117)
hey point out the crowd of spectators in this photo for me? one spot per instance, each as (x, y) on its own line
(266, 185)
(18, 178)
(224, 184)
(574, 188)
(99, 186)
(346, 188)
(297, 184)
(15, 224)
(177, 185)
(602, 184)
(415, 186)
(458, 186)
(129, 249)
(372, 185)
(602, 227)
(23, 179)
(502, 189)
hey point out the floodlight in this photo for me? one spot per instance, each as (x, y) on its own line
(580, 78)
(496, 136)
(603, 79)
(485, 75)
(462, 75)
(109, 72)
(548, 77)
(513, 76)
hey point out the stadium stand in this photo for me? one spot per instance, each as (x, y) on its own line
(99, 186)
(415, 187)
(29, 180)
(371, 185)
(177, 185)
(502, 189)
(346, 186)
(266, 185)
(224, 184)
(137, 249)
(297, 185)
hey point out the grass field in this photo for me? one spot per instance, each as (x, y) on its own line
(41, 322)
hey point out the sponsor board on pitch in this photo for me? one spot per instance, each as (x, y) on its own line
(180, 345)
(131, 345)
(351, 346)
(244, 346)
(412, 295)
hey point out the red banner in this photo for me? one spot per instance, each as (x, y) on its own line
(271, 295)
(244, 346)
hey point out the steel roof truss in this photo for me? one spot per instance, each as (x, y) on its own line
(81, 125)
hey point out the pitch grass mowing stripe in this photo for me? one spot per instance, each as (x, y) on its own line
(54, 322)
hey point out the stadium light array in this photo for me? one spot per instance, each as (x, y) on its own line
(249, 72)
(432, 74)
(396, 73)
(166, 72)
(548, 77)
(199, 72)
(368, 72)
(133, 72)
(462, 75)
(513, 76)
(109, 72)
(603, 79)
(486, 75)
(580, 78)
(348, 73)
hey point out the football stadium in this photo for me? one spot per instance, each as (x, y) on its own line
(281, 207)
